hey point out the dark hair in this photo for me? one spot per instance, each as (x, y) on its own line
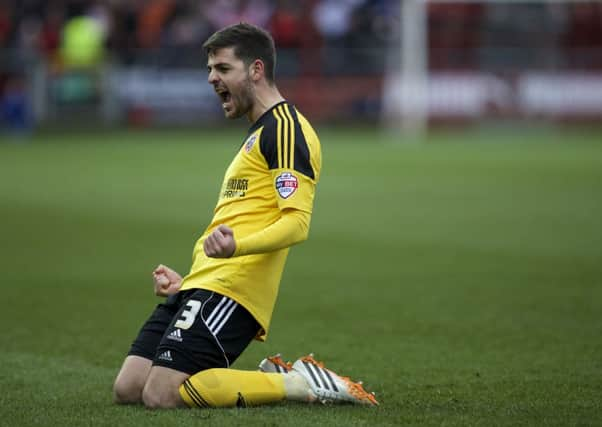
(249, 43)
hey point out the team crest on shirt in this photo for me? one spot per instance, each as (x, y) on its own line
(286, 184)
(250, 142)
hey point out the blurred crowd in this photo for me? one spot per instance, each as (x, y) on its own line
(343, 38)
(69, 41)
(345, 32)
(172, 31)
(515, 35)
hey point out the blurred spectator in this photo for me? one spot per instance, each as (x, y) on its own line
(185, 32)
(28, 35)
(122, 39)
(221, 13)
(454, 35)
(333, 19)
(286, 25)
(385, 19)
(14, 108)
(82, 43)
(584, 35)
(52, 28)
(6, 23)
(366, 42)
(51, 33)
(99, 11)
(152, 20)
(287, 28)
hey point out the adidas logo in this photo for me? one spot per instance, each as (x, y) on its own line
(166, 355)
(176, 335)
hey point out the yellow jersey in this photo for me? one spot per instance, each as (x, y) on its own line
(275, 170)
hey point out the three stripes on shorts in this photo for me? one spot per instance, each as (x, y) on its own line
(220, 315)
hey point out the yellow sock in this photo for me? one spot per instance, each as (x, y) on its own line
(226, 388)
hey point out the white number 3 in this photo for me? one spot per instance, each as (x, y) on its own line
(189, 314)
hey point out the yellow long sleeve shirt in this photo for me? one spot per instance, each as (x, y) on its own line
(267, 199)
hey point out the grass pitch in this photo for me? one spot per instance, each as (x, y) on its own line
(460, 279)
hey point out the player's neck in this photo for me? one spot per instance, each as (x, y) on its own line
(265, 98)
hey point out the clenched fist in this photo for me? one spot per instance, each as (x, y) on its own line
(167, 282)
(220, 243)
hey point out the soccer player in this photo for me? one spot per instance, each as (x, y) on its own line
(183, 353)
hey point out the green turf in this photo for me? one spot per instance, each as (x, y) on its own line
(459, 278)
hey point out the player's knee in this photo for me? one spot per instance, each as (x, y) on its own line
(125, 391)
(151, 399)
(160, 398)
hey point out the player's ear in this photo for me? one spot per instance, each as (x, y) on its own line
(257, 70)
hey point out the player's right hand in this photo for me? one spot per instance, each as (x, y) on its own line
(167, 281)
(220, 243)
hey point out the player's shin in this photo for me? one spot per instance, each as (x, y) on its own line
(226, 388)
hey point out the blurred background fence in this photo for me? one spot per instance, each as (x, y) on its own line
(135, 62)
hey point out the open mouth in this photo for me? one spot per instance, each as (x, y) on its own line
(224, 95)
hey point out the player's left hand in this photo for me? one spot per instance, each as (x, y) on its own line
(220, 243)
(167, 281)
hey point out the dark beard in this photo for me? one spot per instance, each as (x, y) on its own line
(244, 101)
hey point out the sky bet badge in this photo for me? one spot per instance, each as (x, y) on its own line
(250, 142)
(286, 184)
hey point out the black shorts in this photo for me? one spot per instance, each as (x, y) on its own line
(194, 330)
